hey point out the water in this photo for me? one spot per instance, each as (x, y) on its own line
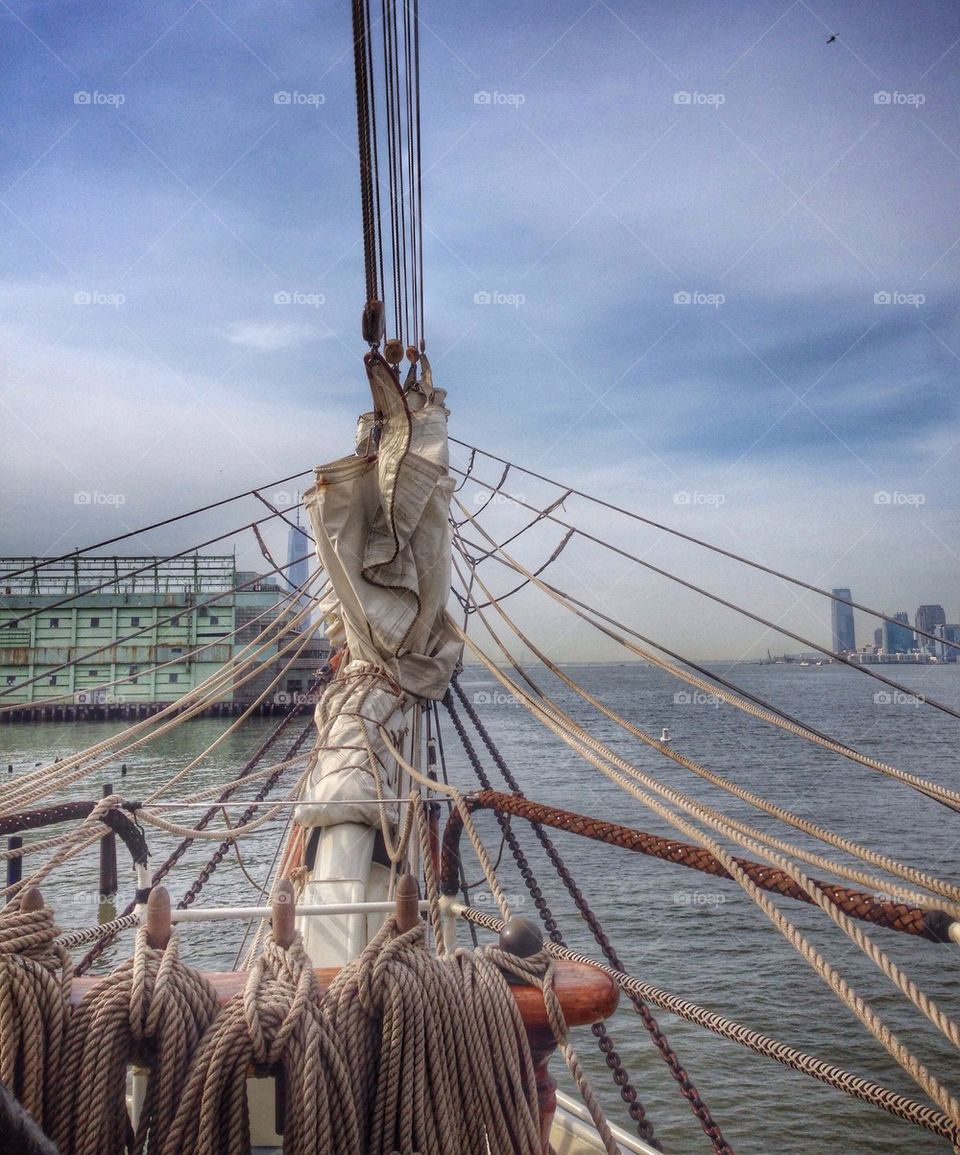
(694, 935)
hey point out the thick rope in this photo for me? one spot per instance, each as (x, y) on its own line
(894, 916)
(454, 1076)
(621, 772)
(34, 1008)
(152, 1009)
(275, 1023)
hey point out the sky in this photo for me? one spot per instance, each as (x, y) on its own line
(691, 258)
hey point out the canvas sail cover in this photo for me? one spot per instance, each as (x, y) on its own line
(380, 520)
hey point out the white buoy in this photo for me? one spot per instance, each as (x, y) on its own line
(665, 735)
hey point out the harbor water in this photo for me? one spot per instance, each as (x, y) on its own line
(697, 936)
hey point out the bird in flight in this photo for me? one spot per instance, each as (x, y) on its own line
(832, 38)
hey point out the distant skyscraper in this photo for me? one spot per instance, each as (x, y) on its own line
(898, 637)
(841, 617)
(949, 633)
(878, 639)
(928, 618)
(300, 554)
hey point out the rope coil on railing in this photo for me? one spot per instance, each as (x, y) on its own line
(152, 1009)
(274, 1023)
(34, 1004)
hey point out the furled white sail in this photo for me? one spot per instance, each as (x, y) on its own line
(380, 520)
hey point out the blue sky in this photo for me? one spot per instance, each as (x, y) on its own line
(732, 251)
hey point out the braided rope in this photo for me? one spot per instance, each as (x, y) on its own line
(621, 772)
(34, 1008)
(75, 938)
(884, 862)
(828, 1073)
(894, 916)
(151, 1009)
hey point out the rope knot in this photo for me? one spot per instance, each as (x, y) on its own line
(280, 986)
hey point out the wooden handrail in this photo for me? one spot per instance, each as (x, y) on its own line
(585, 993)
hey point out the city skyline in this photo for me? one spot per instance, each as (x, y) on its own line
(897, 636)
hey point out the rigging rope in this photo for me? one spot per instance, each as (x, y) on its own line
(931, 924)
(687, 537)
(150, 627)
(869, 671)
(950, 798)
(824, 1072)
(174, 857)
(885, 862)
(627, 1091)
(621, 772)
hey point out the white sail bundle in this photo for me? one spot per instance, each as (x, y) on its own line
(380, 520)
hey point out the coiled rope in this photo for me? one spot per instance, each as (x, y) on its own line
(153, 1009)
(455, 1075)
(274, 1023)
(34, 1004)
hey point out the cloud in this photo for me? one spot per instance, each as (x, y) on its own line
(558, 232)
(270, 336)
